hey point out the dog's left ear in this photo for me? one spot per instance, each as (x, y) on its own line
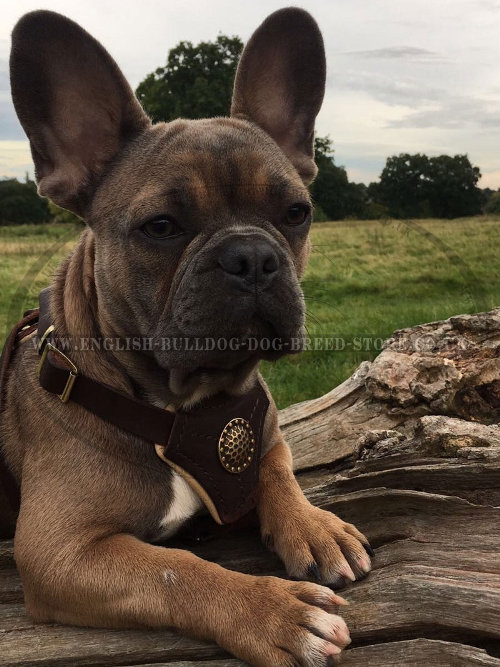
(73, 103)
(280, 83)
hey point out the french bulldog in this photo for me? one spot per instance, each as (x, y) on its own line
(194, 229)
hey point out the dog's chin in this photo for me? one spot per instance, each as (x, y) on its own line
(199, 382)
(225, 367)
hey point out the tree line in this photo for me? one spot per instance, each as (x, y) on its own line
(21, 204)
(197, 82)
(410, 186)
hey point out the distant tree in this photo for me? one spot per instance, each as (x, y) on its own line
(372, 208)
(196, 82)
(493, 205)
(453, 190)
(336, 197)
(358, 201)
(486, 194)
(403, 186)
(419, 186)
(20, 203)
(58, 214)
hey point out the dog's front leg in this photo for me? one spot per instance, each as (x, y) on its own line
(313, 544)
(119, 581)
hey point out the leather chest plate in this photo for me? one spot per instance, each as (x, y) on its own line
(216, 447)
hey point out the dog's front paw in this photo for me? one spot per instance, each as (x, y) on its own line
(279, 623)
(317, 545)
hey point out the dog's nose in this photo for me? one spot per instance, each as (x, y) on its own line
(249, 263)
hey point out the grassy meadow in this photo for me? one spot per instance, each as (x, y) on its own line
(365, 279)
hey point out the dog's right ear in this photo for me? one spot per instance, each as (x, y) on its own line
(73, 103)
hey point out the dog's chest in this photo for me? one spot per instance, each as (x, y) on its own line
(185, 502)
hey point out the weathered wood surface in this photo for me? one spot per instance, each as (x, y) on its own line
(409, 450)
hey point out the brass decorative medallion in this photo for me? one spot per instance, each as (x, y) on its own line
(236, 445)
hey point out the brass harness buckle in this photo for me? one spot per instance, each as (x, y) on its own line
(44, 337)
(73, 370)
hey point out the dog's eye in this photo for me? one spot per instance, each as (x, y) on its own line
(297, 214)
(161, 228)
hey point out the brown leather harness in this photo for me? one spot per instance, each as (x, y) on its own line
(216, 445)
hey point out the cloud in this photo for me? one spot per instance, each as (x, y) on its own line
(15, 159)
(10, 127)
(454, 113)
(405, 91)
(490, 5)
(490, 179)
(400, 52)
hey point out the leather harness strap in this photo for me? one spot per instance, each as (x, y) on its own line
(57, 374)
(215, 446)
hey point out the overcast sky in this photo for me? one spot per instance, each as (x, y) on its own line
(403, 75)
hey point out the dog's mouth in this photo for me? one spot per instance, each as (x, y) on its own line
(226, 360)
(259, 339)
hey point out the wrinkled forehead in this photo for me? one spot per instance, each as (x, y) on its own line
(204, 166)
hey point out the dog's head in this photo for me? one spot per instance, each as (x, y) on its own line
(201, 227)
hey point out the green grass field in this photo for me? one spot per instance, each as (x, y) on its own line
(365, 279)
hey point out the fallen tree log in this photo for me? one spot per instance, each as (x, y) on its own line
(409, 450)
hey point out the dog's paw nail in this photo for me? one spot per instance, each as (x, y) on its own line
(369, 550)
(333, 658)
(313, 572)
(341, 601)
(268, 541)
(347, 572)
(364, 564)
(343, 636)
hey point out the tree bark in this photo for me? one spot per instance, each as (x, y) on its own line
(408, 449)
